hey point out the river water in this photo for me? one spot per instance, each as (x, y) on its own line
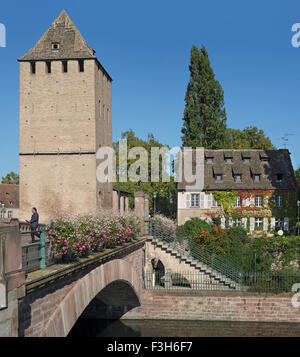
(178, 328)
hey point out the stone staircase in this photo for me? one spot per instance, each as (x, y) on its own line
(179, 252)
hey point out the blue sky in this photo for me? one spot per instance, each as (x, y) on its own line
(145, 46)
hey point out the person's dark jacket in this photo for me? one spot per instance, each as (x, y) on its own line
(34, 222)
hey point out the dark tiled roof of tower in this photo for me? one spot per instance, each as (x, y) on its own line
(71, 43)
(9, 195)
(266, 163)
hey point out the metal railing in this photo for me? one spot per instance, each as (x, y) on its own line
(36, 256)
(262, 282)
(190, 248)
(159, 280)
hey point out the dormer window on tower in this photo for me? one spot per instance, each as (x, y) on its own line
(55, 46)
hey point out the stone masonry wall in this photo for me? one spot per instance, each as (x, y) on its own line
(215, 306)
(67, 113)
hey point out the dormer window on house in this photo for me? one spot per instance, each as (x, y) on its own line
(279, 177)
(246, 156)
(256, 178)
(238, 178)
(209, 160)
(219, 178)
(228, 156)
(55, 45)
(263, 156)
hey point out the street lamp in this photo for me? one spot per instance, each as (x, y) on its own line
(298, 205)
(154, 196)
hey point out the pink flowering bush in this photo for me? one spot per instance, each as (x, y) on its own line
(163, 226)
(77, 236)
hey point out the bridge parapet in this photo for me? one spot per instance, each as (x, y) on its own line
(12, 278)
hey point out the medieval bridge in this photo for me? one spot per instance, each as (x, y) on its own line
(48, 302)
(121, 283)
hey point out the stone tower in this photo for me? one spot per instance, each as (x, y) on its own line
(65, 116)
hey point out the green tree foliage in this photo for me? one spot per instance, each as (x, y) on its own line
(249, 138)
(166, 191)
(12, 179)
(204, 115)
(233, 243)
(276, 253)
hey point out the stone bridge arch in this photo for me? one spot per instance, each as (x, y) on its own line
(85, 290)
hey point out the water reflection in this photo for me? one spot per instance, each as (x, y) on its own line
(167, 328)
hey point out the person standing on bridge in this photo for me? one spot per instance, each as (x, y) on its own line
(34, 223)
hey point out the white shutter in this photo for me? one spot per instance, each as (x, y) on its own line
(273, 221)
(266, 223)
(252, 200)
(230, 222)
(252, 224)
(223, 222)
(215, 203)
(188, 200)
(244, 202)
(286, 224)
(202, 198)
(209, 200)
(244, 221)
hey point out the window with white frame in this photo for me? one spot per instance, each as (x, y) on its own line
(238, 201)
(259, 201)
(9, 214)
(195, 200)
(238, 222)
(258, 222)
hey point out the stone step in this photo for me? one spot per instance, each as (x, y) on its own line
(176, 251)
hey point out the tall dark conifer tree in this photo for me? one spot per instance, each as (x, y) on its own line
(204, 115)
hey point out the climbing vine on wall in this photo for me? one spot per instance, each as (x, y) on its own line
(226, 199)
